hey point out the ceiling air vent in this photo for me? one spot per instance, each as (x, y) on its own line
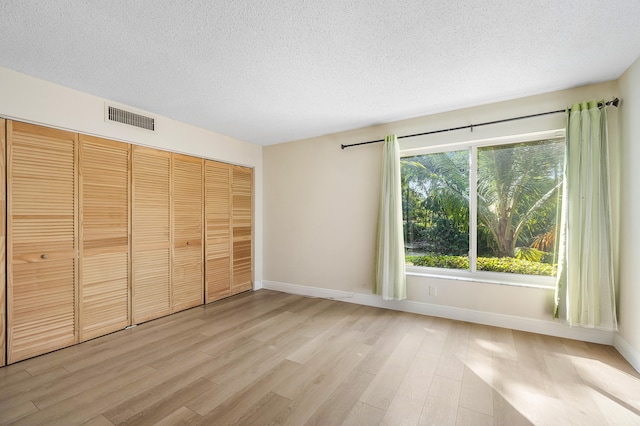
(130, 118)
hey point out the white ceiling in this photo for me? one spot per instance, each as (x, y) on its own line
(275, 71)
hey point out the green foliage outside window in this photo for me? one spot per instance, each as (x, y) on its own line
(517, 206)
(492, 264)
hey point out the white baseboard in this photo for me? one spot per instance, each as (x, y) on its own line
(550, 328)
(630, 353)
(257, 285)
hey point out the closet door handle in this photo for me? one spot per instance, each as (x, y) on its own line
(45, 256)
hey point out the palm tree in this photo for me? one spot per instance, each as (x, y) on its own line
(517, 184)
(518, 188)
(436, 196)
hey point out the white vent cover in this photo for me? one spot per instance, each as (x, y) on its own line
(130, 118)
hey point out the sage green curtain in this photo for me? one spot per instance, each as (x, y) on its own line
(585, 291)
(390, 280)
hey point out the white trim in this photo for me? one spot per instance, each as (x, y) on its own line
(257, 285)
(631, 354)
(473, 274)
(487, 277)
(303, 290)
(550, 328)
(499, 140)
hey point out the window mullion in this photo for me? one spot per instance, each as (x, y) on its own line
(473, 204)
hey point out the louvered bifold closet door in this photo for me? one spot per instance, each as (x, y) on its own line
(151, 234)
(188, 268)
(104, 237)
(42, 240)
(242, 214)
(3, 230)
(218, 230)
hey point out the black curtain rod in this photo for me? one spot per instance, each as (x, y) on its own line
(613, 102)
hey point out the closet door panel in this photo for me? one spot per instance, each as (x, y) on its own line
(242, 220)
(42, 308)
(104, 236)
(42, 240)
(151, 234)
(188, 268)
(3, 241)
(218, 230)
(151, 285)
(187, 277)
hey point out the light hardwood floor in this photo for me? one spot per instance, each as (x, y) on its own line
(271, 358)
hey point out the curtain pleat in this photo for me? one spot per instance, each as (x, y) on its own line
(390, 280)
(585, 292)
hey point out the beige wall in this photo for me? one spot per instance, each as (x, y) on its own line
(629, 307)
(321, 204)
(37, 101)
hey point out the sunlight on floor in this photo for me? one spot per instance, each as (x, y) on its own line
(570, 389)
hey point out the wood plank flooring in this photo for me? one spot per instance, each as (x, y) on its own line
(271, 358)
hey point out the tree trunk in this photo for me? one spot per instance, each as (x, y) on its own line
(505, 238)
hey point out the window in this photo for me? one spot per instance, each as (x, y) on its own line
(488, 209)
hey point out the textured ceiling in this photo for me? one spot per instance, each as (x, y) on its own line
(274, 71)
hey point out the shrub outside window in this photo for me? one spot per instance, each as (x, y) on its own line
(488, 209)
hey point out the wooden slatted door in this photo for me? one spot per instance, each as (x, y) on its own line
(42, 240)
(188, 268)
(104, 237)
(218, 230)
(242, 214)
(151, 234)
(3, 258)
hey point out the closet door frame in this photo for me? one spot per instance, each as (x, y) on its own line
(3, 242)
(242, 286)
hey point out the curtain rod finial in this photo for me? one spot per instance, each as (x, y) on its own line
(342, 146)
(615, 102)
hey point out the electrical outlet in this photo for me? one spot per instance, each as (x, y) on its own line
(433, 290)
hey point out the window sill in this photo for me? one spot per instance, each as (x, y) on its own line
(485, 278)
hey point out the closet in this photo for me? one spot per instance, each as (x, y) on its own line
(101, 235)
(218, 230)
(241, 217)
(151, 232)
(42, 240)
(187, 265)
(104, 237)
(229, 225)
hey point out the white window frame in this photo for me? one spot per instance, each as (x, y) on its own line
(473, 274)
